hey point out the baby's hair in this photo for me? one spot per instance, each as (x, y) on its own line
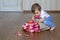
(34, 6)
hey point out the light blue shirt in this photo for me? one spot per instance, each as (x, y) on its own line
(44, 14)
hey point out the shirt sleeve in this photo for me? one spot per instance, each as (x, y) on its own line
(43, 14)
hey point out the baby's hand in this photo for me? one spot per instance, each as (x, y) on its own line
(37, 20)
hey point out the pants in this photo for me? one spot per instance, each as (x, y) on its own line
(49, 22)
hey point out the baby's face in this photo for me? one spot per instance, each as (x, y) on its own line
(37, 12)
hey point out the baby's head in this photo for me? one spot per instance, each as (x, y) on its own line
(36, 9)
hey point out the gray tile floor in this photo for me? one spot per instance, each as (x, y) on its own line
(10, 23)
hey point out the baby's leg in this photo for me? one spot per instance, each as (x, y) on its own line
(52, 28)
(43, 27)
(49, 24)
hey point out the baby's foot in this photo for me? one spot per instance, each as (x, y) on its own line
(52, 28)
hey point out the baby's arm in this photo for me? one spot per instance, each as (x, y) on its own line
(38, 20)
(33, 17)
(41, 20)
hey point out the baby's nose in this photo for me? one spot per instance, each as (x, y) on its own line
(36, 12)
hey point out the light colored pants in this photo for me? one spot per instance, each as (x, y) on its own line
(43, 26)
(47, 23)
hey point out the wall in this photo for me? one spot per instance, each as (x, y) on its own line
(46, 4)
(19, 5)
(58, 4)
(10, 5)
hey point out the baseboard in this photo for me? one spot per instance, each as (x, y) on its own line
(49, 11)
(29, 11)
(53, 11)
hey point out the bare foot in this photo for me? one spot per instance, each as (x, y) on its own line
(52, 29)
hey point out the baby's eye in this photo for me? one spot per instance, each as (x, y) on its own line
(36, 13)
